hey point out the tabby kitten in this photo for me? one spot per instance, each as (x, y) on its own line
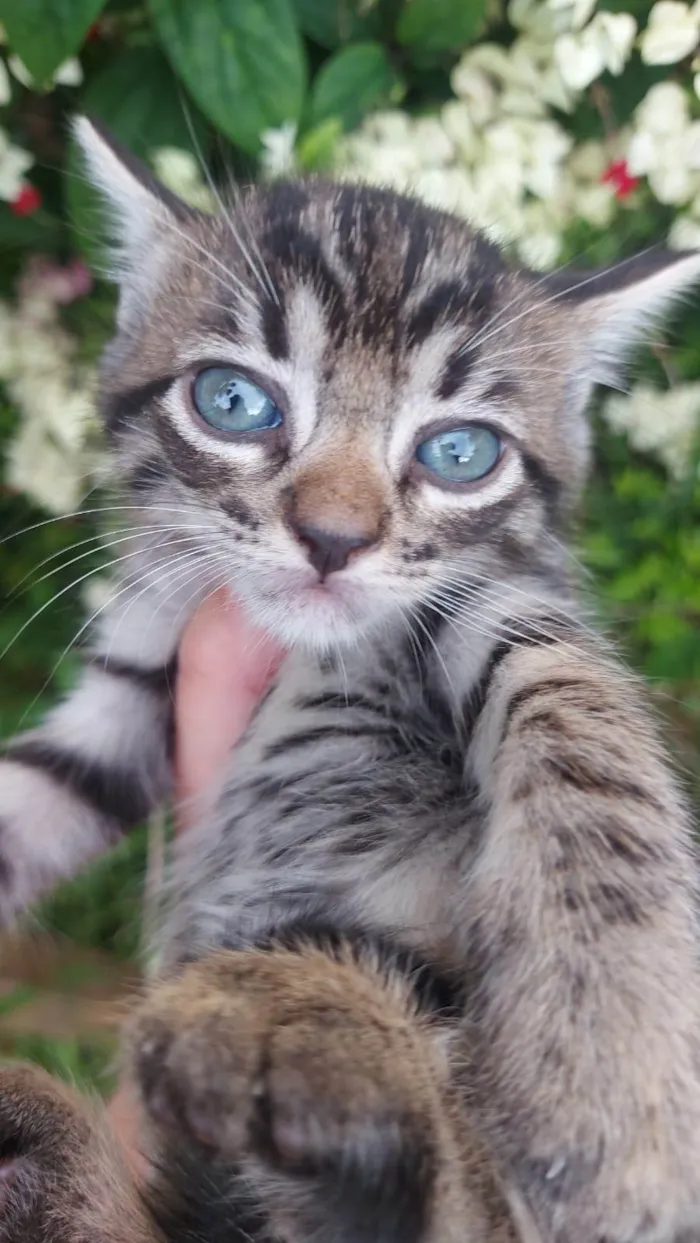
(350, 410)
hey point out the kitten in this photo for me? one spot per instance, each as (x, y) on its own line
(350, 410)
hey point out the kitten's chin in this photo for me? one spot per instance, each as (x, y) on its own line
(315, 617)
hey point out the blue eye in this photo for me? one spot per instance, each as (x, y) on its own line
(230, 403)
(462, 455)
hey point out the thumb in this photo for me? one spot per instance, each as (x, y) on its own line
(224, 667)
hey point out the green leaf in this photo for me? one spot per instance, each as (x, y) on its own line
(332, 22)
(353, 81)
(138, 96)
(315, 150)
(440, 25)
(243, 61)
(44, 33)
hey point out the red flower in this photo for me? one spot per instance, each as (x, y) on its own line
(27, 202)
(619, 177)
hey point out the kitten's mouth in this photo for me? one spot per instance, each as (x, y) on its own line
(313, 612)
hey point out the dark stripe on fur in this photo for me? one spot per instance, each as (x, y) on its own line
(120, 409)
(547, 687)
(336, 699)
(113, 795)
(329, 733)
(615, 904)
(196, 470)
(456, 372)
(146, 476)
(160, 681)
(525, 632)
(274, 326)
(446, 301)
(574, 771)
(435, 992)
(548, 488)
(193, 1199)
(300, 252)
(6, 868)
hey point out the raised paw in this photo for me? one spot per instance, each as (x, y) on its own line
(61, 1177)
(315, 1081)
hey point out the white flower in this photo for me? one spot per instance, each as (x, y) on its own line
(19, 71)
(50, 457)
(491, 58)
(534, 17)
(604, 44)
(14, 163)
(589, 160)
(673, 32)
(664, 109)
(431, 142)
(684, 234)
(476, 89)
(278, 156)
(69, 73)
(540, 251)
(665, 145)
(42, 470)
(5, 87)
(179, 171)
(662, 423)
(390, 126)
(616, 32)
(572, 13)
(596, 204)
(459, 126)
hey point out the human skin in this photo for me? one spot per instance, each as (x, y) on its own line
(224, 666)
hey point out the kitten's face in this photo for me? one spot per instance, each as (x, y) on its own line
(358, 402)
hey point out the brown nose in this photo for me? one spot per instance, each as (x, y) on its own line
(328, 550)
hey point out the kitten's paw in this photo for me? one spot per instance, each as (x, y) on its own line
(303, 1071)
(60, 1177)
(290, 1055)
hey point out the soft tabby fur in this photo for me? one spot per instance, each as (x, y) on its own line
(430, 971)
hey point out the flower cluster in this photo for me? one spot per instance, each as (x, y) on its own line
(501, 151)
(662, 423)
(50, 457)
(15, 162)
(498, 152)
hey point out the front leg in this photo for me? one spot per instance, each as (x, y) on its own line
(297, 1095)
(63, 1178)
(99, 763)
(584, 949)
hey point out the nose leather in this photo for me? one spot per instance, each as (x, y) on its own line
(328, 551)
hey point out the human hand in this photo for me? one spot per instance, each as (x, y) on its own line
(224, 666)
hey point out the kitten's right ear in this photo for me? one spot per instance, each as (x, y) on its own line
(141, 210)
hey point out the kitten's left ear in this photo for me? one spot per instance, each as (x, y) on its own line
(143, 213)
(617, 308)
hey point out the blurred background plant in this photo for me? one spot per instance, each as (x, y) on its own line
(568, 129)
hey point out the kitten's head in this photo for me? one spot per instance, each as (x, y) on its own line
(357, 399)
